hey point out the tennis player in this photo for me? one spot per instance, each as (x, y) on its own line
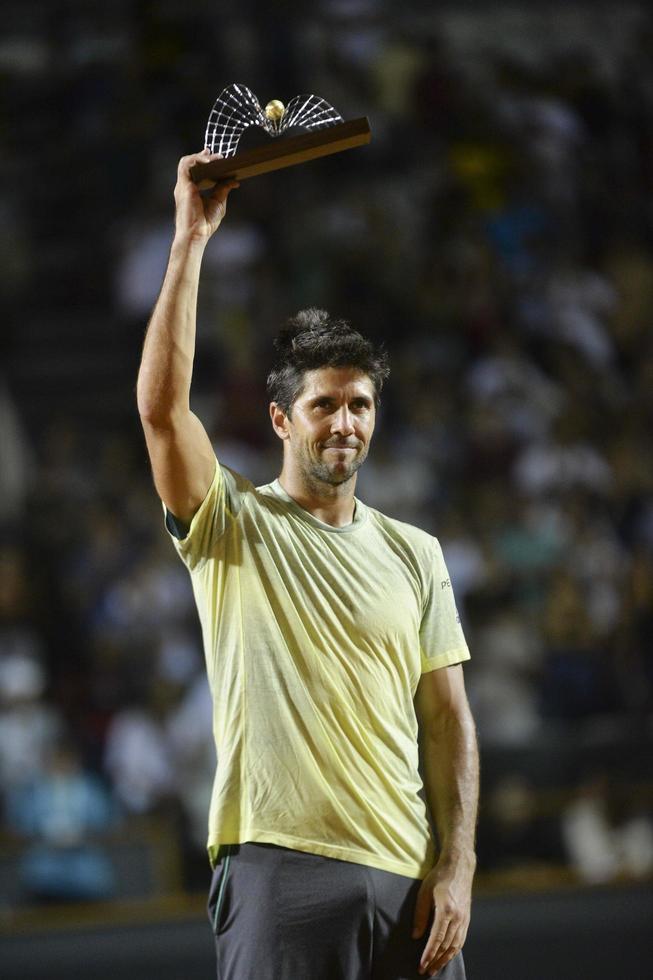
(334, 653)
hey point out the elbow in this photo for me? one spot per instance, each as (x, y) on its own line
(155, 410)
(157, 421)
(146, 399)
(149, 411)
(154, 415)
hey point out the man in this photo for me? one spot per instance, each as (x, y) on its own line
(333, 648)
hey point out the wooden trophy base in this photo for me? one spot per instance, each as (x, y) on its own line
(286, 152)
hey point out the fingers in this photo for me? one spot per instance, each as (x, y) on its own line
(188, 162)
(446, 949)
(445, 941)
(204, 156)
(436, 942)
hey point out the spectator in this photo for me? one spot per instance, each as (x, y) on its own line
(61, 814)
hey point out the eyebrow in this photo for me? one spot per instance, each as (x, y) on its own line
(360, 396)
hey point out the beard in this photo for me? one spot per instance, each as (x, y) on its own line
(318, 471)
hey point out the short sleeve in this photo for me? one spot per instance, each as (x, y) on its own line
(442, 640)
(210, 521)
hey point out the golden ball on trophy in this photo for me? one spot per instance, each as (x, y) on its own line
(274, 110)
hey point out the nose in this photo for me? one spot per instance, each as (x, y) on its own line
(343, 422)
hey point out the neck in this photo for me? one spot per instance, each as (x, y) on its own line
(330, 504)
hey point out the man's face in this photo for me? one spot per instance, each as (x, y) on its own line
(328, 434)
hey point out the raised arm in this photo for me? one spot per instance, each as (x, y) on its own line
(180, 451)
(450, 763)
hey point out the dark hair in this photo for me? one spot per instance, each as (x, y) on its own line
(312, 339)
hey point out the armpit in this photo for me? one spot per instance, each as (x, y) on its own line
(176, 527)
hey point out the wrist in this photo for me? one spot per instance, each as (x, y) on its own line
(187, 245)
(185, 261)
(458, 855)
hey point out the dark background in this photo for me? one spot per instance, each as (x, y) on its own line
(497, 236)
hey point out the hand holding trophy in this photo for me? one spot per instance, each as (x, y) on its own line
(307, 128)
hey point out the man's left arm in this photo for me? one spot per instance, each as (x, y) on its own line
(450, 768)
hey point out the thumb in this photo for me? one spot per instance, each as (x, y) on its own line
(422, 911)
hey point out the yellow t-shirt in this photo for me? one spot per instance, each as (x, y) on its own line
(315, 638)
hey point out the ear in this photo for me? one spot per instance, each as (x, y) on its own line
(280, 421)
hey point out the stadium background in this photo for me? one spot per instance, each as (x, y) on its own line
(497, 235)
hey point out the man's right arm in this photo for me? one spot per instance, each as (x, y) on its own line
(180, 451)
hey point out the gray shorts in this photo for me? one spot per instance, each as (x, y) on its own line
(281, 914)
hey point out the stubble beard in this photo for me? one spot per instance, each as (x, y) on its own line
(317, 473)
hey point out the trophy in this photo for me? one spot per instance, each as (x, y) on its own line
(307, 128)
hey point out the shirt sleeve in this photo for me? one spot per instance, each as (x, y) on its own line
(442, 640)
(196, 543)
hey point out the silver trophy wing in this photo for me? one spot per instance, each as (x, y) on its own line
(310, 112)
(234, 111)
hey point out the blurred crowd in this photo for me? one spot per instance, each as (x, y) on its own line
(497, 236)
